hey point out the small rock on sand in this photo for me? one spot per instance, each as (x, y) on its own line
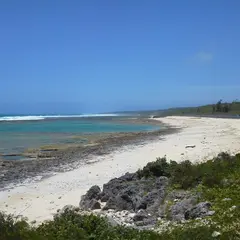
(190, 146)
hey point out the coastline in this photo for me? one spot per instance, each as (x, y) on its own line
(40, 200)
(48, 160)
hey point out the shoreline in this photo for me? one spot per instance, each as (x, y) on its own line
(40, 200)
(49, 160)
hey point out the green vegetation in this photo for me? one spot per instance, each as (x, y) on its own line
(219, 108)
(186, 175)
(217, 181)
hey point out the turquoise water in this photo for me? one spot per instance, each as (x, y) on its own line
(15, 136)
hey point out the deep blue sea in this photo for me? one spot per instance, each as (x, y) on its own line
(20, 132)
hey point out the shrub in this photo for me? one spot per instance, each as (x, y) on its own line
(187, 175)
(70, 226)
(156, 169)
(16, 229)
(219, 178)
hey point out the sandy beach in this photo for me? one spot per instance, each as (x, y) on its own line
(207, 136)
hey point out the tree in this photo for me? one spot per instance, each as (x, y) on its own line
(219, 106)
(213, 109)
(226, 107)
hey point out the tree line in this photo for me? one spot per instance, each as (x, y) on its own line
(222, 107)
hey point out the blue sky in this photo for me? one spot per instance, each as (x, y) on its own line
(96, 56)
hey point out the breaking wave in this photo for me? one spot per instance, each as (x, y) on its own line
(37, 118)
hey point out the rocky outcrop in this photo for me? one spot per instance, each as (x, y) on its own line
(142, 202)
(132, 194)
(112, 188)
(177, 211)
(200, 210)
(90, 200)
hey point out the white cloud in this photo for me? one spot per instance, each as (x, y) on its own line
(204, 57)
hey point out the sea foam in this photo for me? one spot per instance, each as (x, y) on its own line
(42, 117)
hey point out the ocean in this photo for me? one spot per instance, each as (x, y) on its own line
(18, 133)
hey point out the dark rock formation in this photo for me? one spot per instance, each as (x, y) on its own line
(140, 216)
(199, 211)
(177, 211)
(94, 204)
(126, 199)
(143, 218)
(112, 188)
(148, 198)
(89, 200)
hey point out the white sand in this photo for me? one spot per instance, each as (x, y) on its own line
(38, 201)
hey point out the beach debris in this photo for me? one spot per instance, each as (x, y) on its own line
(216, 234)
(190, 146)
(232, 208)
(226, 199)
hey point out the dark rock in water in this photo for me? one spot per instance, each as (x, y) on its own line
(199, 211)
(92, 194)
(177, 211)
